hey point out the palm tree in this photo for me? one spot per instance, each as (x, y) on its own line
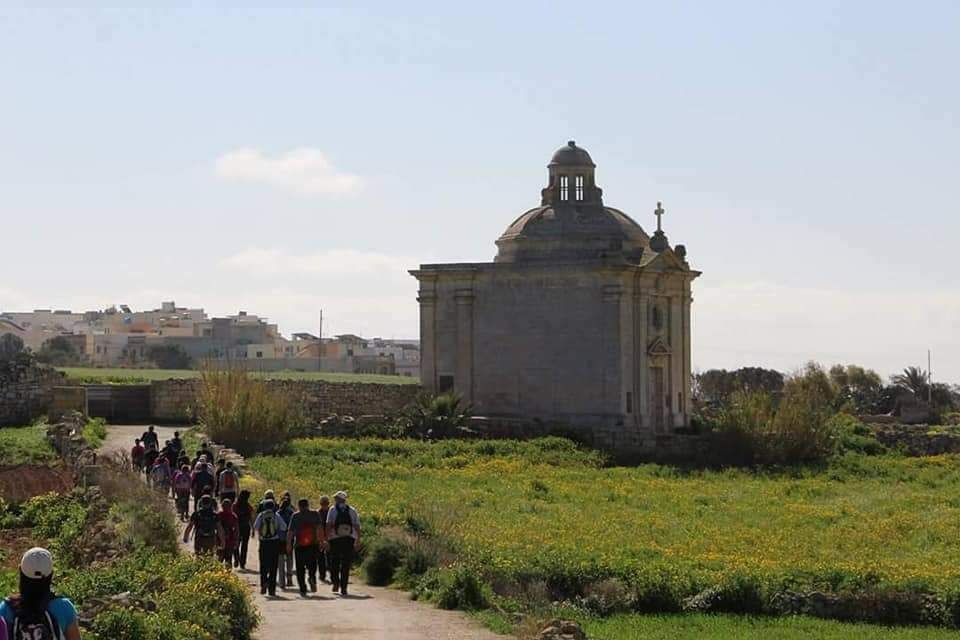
(913, 379)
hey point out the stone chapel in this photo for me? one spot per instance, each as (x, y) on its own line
(581, 320)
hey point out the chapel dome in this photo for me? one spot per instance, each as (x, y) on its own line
(571, 155)
(572, 223)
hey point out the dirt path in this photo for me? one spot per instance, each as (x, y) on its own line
(372, 613)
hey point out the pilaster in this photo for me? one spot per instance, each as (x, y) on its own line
(464, 376)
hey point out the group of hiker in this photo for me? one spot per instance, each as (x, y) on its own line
(308, 543)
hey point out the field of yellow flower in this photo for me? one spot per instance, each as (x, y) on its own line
(545, 510)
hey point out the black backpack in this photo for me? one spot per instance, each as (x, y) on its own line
(206, 523)
(343, 522)
(32, 624)
(202, 480)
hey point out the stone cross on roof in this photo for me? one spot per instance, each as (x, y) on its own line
(659, 213)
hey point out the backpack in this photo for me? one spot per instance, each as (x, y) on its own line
(206, 523)
(343, 522)
(228, 481)
(268, 524)
(306, 530)
(159, 474)
(201, 480)
(32, 624)
(183, 482)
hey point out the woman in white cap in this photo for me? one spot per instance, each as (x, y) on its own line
(36, 612)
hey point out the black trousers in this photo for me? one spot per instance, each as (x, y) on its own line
(322, 564)
(341, 557)
(269, 563)
(306, 558)
(244, 545)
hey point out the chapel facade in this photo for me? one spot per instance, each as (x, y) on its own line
(581, 320)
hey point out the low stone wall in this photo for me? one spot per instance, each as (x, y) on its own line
(919, 440)
(26, 391)
(175, 401)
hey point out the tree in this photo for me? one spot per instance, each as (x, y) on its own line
(716, 385)
(860, 389)
(58, 351)
(914, 380)
(10, 347)
(169, 356)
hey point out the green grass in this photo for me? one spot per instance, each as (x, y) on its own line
(521, 511)
(95, 432)
(725, 627)
(25, 445)
(89, 375)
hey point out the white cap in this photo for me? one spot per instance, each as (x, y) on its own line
(37, 563)
(340, 495)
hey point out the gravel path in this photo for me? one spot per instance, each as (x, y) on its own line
(372, 613)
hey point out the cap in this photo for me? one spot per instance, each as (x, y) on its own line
(37, 563)
(340, 495)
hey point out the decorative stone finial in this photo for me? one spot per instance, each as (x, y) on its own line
(659, 240)
(571, 143)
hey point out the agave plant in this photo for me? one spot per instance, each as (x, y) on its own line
(442, 416)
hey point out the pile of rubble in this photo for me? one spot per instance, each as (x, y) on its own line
(562, 630)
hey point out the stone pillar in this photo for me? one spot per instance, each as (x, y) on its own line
(464, 375)
(428, 333)
(641, 363)
(613, 398)
(687, 352)
(628, 351)
(677, 359)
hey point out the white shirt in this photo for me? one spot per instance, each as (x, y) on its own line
(354, 519)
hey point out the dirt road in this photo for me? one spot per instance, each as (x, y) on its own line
(368, 612)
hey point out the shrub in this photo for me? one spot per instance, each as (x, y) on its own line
(460, 588)
(383, 559)
(244, 412)
(435, 417)
(95, 432)
(607, 597)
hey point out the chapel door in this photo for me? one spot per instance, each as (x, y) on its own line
(656, 397)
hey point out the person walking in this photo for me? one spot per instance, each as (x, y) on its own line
(136, 456)
(208, 533)
(245, 516)
(286, 559)
(231, 532)
(271, 529)
(36, 612)
(150, 439)
(343, 535)
(228, 483)
(182, 486)
(303, 543)
(322, 552)
(201, 482)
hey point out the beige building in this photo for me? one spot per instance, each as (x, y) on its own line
(582, 319)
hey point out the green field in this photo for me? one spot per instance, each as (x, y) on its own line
(726, 627)
(545, 511)
(90, 375)
(25, 445)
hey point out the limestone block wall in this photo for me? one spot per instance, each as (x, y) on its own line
(26, 391)
(67, 400)
(176, 400)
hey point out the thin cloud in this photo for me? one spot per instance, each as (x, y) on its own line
(305, 170)
(334, 262)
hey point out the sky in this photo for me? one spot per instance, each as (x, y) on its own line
(287, 161)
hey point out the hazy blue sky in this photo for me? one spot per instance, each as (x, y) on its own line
(282, 161)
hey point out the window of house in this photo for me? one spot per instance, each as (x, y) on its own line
(564, 188)
(259, 354)
(579, 188)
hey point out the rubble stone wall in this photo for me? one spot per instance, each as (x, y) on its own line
(26, 391)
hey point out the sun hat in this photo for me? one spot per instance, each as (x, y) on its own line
(37, 563)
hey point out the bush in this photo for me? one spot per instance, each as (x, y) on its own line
(754, 429)
(458, 587)
(95, 432)
(383, 559)
(436, 417)
(244, 412)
